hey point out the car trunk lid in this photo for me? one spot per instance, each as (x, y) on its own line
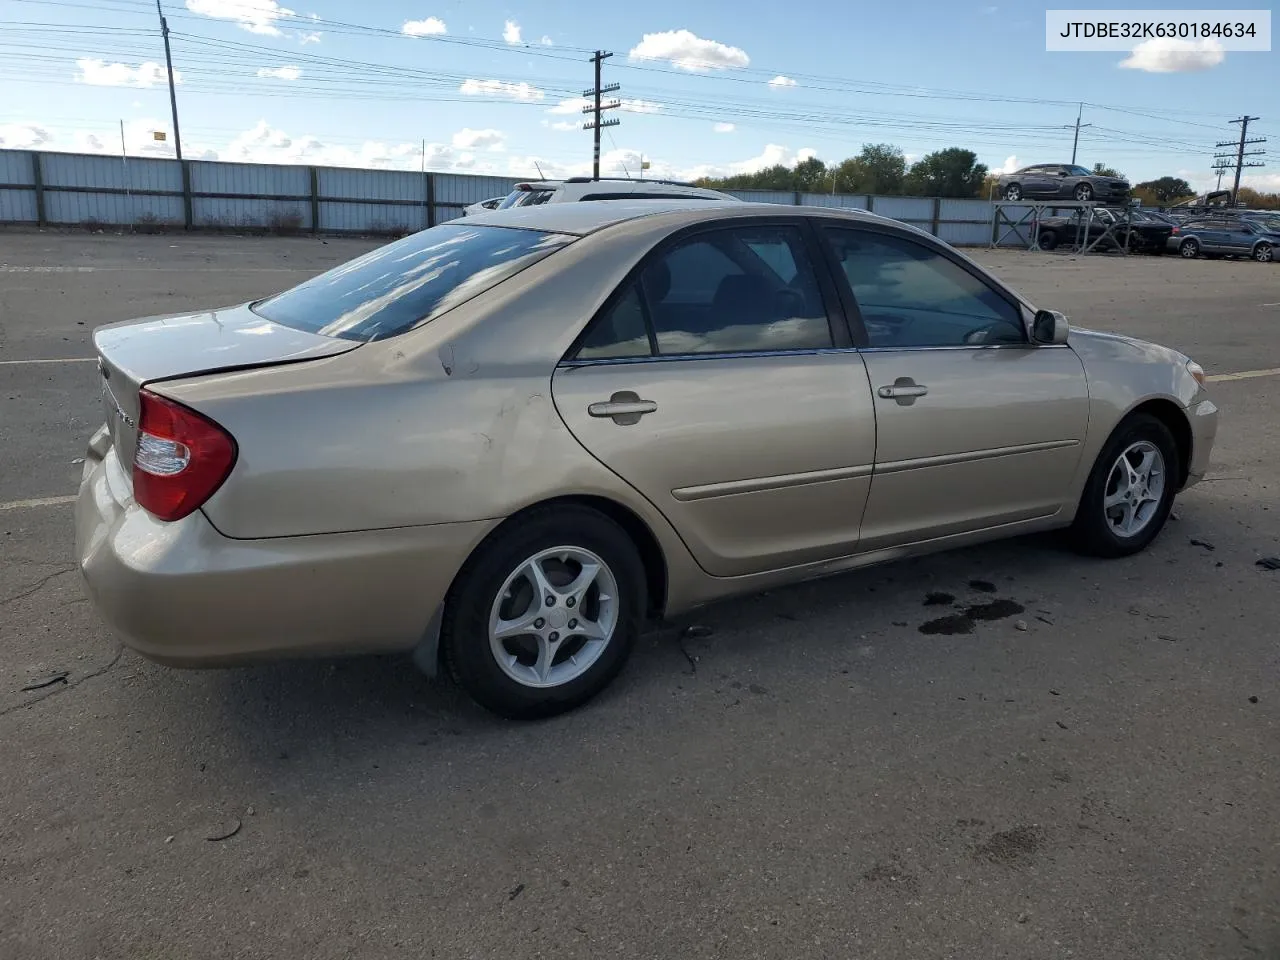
(138, 352)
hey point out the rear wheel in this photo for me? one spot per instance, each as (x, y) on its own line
(1130, 491)
(545, 614)
(1264, 253)
(1013, 192)
(1084, 193)
(1189, 249)
(1048, 239)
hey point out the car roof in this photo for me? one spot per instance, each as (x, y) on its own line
(580, 219)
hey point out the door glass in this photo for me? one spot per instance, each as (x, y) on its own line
(742, 289)
(912, 296)
(619, 333)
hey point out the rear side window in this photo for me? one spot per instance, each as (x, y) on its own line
(406, 283)
(525, 198)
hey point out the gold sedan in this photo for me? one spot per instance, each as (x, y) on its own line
(505, 444)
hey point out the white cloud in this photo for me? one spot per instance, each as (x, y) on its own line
(723, 128)
(280, 73)
(687, 51)
(511, 32)
(640, 106)
(772, 155)
(781, 81)
(572, 105)
(1174, 56)
(562, 125)
(1010, 165)
(489, 139)
(546, 41)
(430, 27)
(256, 16)
(501, 89)
(306, 38)
(23, 136)
(100, 74)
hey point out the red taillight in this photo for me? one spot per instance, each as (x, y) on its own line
(1177, 229)
(182, 458)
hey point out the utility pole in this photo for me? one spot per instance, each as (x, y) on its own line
(173, 97)
(1076, 142)
(1225, 158)
(597, 108)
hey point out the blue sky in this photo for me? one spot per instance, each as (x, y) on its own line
(493, 86)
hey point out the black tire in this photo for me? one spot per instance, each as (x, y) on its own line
(1264, 253)
(464, 634)
(1091, 533)
(1048, 239)
(1189, 248)
(1013, 192)
(1084, 193)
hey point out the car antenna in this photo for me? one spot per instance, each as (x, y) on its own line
(541, 175)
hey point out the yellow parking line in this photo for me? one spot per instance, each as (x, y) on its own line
(38, 502)
(1244, 375)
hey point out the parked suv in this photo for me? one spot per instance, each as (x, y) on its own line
(606, 188)
(1055, 181)
(1230, 236)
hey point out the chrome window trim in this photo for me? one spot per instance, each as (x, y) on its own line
(807, 352)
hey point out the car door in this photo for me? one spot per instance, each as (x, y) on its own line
(1037, 183)
(711, 382)
(1238, 237)
(976, 427)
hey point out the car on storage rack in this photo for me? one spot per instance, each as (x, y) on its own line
(484, 206)
(1109, 229)
(1229, 236)
(505, 444)
(536, 192)
(1061, 181)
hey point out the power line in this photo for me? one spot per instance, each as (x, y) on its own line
(597, 108)
(1240, 163)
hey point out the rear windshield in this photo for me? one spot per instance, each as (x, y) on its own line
(406, 283)
(525, 198)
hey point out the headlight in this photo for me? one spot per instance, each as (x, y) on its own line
(1196, 371)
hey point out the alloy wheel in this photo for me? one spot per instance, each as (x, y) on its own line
(1134, 490)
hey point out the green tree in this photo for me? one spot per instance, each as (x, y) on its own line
(954, 172)
(1102, 170)
(1167, 189)
(881, 169)
(810, 175)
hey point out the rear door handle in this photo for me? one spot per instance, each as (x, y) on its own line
(904, 390)
(624, 408)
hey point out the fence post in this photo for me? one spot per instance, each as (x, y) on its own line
(431, 200)
(37, 179)
(795, 201)
(315, 200)
(186, 194)
(871, 203)
(937, 214)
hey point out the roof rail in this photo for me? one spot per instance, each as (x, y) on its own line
(669, 183)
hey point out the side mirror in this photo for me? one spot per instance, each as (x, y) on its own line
(1050, 327)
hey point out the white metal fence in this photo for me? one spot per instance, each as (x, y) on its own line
(65, 189)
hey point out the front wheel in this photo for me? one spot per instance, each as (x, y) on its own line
(545, 614)
(1130, 491)
(1264, 253)
(1048, 239)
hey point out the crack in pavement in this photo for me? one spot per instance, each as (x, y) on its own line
(63, 688)
(38, 586)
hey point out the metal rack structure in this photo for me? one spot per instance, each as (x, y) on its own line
(1004, 226)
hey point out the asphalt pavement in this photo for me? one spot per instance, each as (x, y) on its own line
(1093, 773)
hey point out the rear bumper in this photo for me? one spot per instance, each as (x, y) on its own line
(1204, 428)
(182, 594)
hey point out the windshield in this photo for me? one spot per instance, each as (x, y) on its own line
(525, 198)
(406, 283)
(1079, 172)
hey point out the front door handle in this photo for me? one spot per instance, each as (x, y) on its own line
(624, 408)
(904, 390)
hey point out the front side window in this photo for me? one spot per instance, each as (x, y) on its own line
(744, 289)
(396, 287)
(909, 295)
(1079, 172)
